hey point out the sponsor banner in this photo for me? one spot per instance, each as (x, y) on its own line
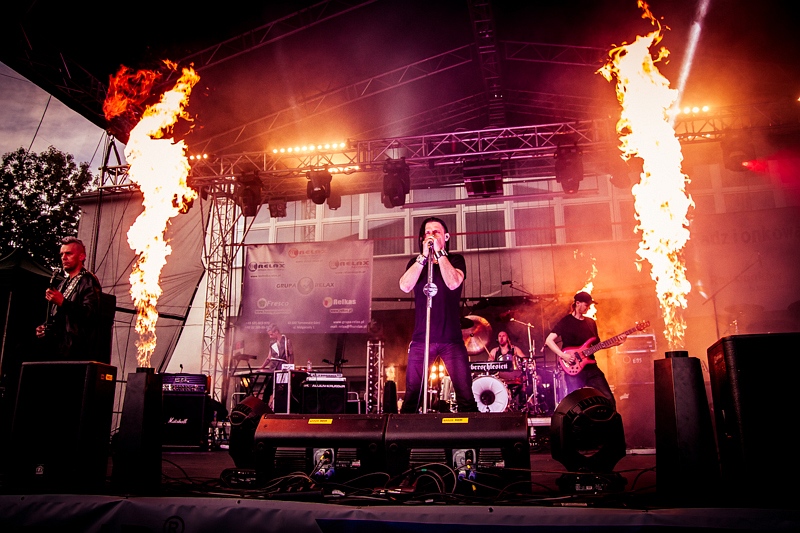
(323, 287)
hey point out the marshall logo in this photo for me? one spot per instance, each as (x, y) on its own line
(181, 421)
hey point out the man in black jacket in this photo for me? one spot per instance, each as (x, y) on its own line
(73, 310)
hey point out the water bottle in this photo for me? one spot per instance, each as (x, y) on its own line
(308, 365)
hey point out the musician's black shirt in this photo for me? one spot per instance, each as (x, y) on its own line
(575, 332)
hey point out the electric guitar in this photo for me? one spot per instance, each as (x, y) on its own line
(582, 353)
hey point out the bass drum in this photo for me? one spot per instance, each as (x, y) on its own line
(490, 393)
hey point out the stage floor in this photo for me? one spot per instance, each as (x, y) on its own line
(204, 491)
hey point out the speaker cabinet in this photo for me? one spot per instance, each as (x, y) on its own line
(335, 448)
(287, 393)
(62, 426)
(686, 459)
(496, 446)
(636, 406)
(753, 401)
(184, 424)
(137, 444)
(325, 397)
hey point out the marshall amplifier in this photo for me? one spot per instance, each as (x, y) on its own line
(184, 412)
(325, 394)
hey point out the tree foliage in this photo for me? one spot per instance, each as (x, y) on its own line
(37, 207)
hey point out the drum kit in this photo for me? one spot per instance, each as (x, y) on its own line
(498, 386)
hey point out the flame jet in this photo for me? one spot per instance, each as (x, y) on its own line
(159, 167)
(660, 199)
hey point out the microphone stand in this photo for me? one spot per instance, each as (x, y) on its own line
(430, 291)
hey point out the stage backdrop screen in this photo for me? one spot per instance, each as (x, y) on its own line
(323, 287)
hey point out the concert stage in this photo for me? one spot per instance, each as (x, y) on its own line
(203, 491)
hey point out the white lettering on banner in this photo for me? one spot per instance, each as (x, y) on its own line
(263, 303)
(341, 310)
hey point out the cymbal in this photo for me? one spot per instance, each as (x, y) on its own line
(477, 336)
(744, 309)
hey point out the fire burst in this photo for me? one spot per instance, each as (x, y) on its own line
(660, 198)
(158, 165)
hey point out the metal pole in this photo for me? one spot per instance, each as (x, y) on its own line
(430, 291)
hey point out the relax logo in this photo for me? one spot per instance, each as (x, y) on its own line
(255, 267)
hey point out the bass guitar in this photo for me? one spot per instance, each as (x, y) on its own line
(581, 353)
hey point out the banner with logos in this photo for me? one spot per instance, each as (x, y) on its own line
(319, 287)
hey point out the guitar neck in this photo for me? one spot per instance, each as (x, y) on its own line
(608, 342)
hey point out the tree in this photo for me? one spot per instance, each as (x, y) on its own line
(36, 201)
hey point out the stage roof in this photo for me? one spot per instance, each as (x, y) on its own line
(284, 73)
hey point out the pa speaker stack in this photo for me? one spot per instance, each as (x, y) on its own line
(62, 425)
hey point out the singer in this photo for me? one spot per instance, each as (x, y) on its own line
(445, 341)
(71, 328)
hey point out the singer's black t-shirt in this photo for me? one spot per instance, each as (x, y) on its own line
(445, 313)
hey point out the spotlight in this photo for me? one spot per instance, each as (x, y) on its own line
(396, 182)
(586, 433)
(249, 193)
(319, 185)
(569, 167)
(737, 151)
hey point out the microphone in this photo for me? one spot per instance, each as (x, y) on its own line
(51, 284)
(430, 245)
(507, 282)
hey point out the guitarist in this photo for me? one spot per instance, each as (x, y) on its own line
(574, 330)
(71, 330)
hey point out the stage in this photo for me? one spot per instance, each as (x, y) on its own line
(205, 491)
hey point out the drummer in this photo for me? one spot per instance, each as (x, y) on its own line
(505, 351)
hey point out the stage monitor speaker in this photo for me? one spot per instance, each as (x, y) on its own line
(325, 397)
(686, 458)
(184, 421)
(491, 449)
(287, 392)
(327, 448)
(754, 400)
(390, 398)
(244, 419)
(62, 426)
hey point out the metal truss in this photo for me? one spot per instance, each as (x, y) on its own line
(219, 255)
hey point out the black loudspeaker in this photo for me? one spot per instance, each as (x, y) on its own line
(244, 420)
(686, 458)
(754, 400)
(62, 426)
(287, 394)
(491, 449)
(184, 421)
(390, 398)
(636, 406)
(325, 397)
(336, 448)
(137, 444)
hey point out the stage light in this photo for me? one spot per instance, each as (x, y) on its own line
(737, 150)
(249, 192)
(483, 178)
(396, 182)
(569, 167)
(587, 437)
(319, 186)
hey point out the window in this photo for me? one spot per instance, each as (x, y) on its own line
(534, 225)
(387, 236)
(587, 222)
(485, 229)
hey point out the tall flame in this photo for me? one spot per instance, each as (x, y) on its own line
(660, 198)
(158, 165)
